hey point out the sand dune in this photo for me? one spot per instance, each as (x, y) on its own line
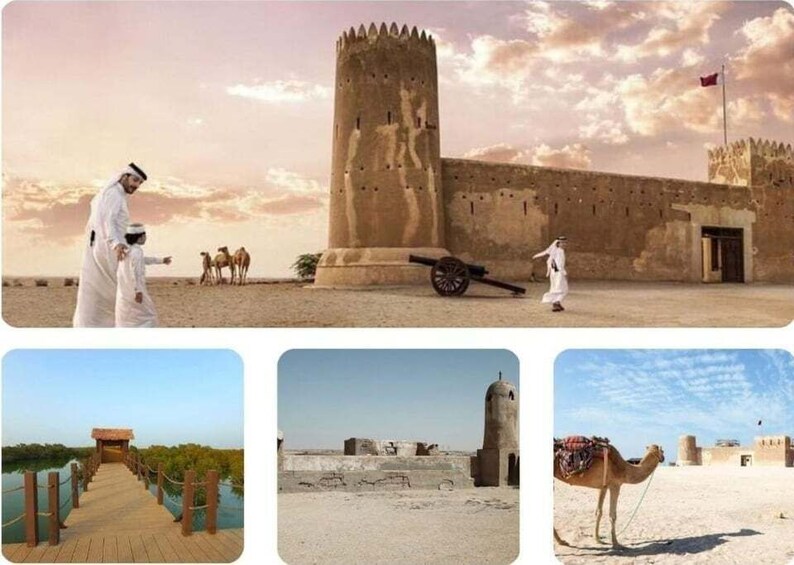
(709, 515)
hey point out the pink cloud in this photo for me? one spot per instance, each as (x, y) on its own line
(58, 213)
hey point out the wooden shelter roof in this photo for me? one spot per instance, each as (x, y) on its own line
(112, 433)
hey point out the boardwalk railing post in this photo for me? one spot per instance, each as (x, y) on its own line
(160, 483)
(53, 497)
(188, 490)
(75, 487)
(140, 466)
(31, 507)
(212, 501)
(86, 476)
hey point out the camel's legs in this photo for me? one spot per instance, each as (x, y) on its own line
(599, 512)
(614, 493)
(559, 540)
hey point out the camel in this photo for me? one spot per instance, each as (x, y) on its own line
(242, 260)
(224, 259)
(618, 472)
(207, 264)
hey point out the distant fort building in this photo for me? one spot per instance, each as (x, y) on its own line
(392, 194)
(766, 451)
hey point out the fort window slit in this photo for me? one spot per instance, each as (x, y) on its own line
(358, 123)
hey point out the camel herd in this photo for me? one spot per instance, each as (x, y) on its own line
(212, 268)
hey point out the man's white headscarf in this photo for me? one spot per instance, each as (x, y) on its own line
(131, 169)
(554, 251)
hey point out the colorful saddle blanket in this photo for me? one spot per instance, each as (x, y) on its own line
(575, 454)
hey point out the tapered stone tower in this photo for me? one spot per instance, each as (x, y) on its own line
(499, 457)
(386, 200)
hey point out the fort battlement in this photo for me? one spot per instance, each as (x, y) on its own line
(367, 37)
(751, 146)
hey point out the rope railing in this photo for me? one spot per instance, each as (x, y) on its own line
(14, 521)
(172, 481)
(31, 488)
(189, 484)
(65, 502)
(9, 491)
(232, 485)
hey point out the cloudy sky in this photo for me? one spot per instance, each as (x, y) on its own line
(228, 106)
(638, 397)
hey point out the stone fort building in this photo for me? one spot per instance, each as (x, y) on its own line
(369, 464)
(392, 194)
(766, 451)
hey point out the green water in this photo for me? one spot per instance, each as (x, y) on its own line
(14, 502)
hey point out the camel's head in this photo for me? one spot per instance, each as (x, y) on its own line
(223, 249)
(203, 253)
(657, 451)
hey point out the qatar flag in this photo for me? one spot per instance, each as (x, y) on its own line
(709, 80)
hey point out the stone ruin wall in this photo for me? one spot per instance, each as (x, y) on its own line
(312, 473)
(620, 226)
(365, 446)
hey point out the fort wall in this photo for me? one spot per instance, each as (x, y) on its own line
(772, 451)
(620, 226)
(306, 473)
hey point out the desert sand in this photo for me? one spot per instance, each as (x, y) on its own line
(474, 526)
(690, 515)
(181, 303)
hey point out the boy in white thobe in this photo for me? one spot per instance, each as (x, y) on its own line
(555, 270)
(104, 247)
(134, 306)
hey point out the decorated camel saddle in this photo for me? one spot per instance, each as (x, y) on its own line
(575, 454)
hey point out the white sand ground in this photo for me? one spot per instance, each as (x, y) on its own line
(471, 526)
(590, 304)
(714, 515)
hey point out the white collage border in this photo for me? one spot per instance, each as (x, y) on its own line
(536, 348)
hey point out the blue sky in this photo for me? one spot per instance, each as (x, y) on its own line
(327, 396)
(166, 396)
(637, 397)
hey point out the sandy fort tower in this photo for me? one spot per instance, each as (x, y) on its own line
(386, 200)
(499, 457)
(687, 451)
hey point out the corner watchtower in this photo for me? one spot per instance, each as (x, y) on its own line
(386, 200)
(499, 457)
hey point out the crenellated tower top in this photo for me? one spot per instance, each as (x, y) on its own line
(366, 37)
(752, 162)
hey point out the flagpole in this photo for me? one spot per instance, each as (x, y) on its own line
(724, 116)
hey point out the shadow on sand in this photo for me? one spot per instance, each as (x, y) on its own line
(672, 546)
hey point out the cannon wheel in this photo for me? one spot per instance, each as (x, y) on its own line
(450, 276)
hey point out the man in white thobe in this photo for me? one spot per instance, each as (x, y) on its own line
(555, 271)
(104, 248)
(134, 306)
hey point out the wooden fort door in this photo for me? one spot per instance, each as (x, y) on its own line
(732, 260)
(727, 252)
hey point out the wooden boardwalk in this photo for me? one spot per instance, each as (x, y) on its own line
(119, 521)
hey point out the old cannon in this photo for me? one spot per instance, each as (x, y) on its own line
(451, 277)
